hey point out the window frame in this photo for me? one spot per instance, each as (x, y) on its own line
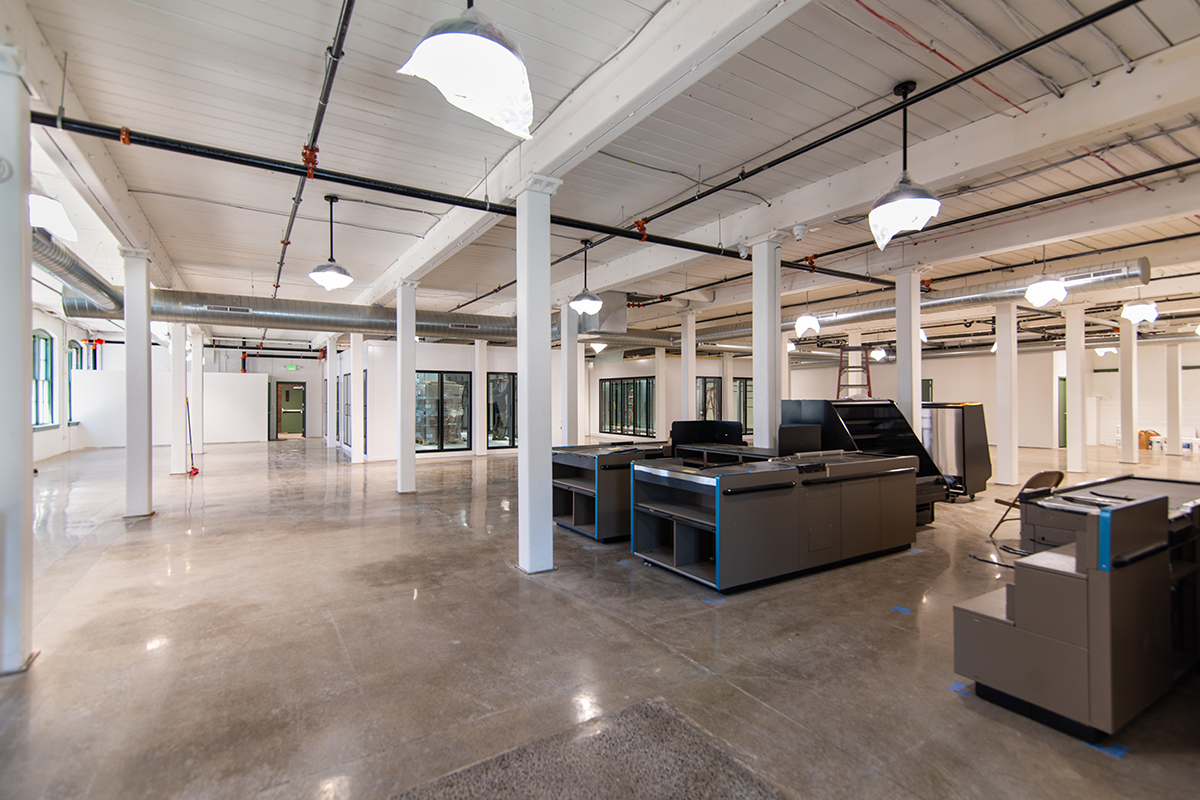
(710, 387)
(440, 402)
(627, 406)
(743, 391)
(512, 410)
(42, 389)
(74, 362)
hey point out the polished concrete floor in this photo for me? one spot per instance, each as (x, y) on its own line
(288, 626)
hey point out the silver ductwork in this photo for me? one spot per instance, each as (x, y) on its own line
(200, 308)
(66, 266)
(1122, 274)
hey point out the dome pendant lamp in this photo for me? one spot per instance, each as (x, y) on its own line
(1044, 290)
(477, 68)
(585, 302)
(906, 206)
(331, 274)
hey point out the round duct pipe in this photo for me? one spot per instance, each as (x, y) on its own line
(1117, 275)
(64, 265)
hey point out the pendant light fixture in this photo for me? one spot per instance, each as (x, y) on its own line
(585, 302)
(46, 212)
(1103, 351)
(879, 354)
(1046, 289)
(807, 322)
(331, 274)
(598, 347)
(924, 336)
(1140, 311)
(906, 206)
(477, 68)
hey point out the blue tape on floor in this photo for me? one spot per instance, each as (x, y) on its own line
(585, 547)
(960, 688)
(901, 609)
(1114, 750)
(624, 563)
(713, 600)
(914, 550)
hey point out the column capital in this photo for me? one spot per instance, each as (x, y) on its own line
(407, 283)
(134, 252)
(914, 269)
(543, 184)
(774, 237)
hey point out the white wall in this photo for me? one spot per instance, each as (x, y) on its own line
(1152, 391)
(100, 408)
(235, 407)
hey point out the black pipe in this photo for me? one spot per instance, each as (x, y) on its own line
(983, 215)
(333, 55)
(949, 83)
(346, 179)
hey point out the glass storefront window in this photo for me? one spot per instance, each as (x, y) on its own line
(501, 409)
(708, 398)
(743, 402)
(443, 410)
(627, 406)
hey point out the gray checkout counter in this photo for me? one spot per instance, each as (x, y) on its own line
(734, 525)
(1098, 623)
(591, 486)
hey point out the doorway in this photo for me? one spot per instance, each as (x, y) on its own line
(289, 409)
(1062, 412)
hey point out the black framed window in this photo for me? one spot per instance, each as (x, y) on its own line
(708, 398)
(43, 378)
(627, 406)
(501, 410)
(443, 411)
(743, 403)
(74, 362)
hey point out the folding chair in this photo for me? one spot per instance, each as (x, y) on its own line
(1042, 480)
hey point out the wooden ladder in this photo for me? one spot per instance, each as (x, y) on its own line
(853, 379)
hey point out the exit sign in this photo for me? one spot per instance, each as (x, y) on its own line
(291, 366)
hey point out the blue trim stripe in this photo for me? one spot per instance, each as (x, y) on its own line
(1104, 556)
(717, 535)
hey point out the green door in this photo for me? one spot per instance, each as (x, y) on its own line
(291, 408)
(1062, 412)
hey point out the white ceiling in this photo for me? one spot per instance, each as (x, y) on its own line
(245, 75)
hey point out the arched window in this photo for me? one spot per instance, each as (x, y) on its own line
(43, 378)
(74, 362)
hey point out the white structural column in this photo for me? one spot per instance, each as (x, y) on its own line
(687, 367)
(406, 387)
(196, 392)
(785, 367)
(728, 412)
(1129, 393)
(568, 372)
(480, 412)
(16, 361)
(765, 255)
(583, 405)
(1007, 467)
(357, 442)
(178, 399)
(1174, 401)
(138, 481)
(662, 428)
(331, 392)
(1076, 395)
(908, 345)
(535, 518)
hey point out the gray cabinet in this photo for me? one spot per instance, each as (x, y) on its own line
(591, 487)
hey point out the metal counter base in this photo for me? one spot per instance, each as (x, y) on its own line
(707, 573)
(1036, 713)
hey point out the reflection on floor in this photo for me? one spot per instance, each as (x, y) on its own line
(287, 625)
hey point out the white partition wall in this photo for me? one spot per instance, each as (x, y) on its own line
(687, 368)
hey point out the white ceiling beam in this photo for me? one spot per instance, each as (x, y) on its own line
(1163, 86)
(84, 160)
(681, 44)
